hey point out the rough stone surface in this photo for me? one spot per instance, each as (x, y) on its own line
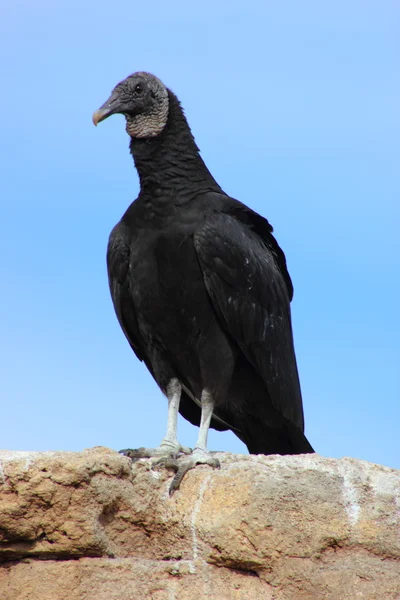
(91, 526)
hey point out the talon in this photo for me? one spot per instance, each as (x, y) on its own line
(175, 484)
(137, 453)
(168, 462)
(180, 459)
(172, 464)
(215, 463)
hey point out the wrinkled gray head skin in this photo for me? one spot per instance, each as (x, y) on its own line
(143, 99)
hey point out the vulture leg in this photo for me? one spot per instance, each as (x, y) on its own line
(169, 447)
(200, 454)
(167, 452)
(207, 408)
(170, 441)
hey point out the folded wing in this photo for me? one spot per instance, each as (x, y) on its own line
(251, 296)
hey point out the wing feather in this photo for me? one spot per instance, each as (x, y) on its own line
(118, 255)
(252, 298)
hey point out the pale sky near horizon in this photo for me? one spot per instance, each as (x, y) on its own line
(295, 107)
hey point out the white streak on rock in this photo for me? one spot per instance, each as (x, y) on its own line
(196, 508)
(349, 490)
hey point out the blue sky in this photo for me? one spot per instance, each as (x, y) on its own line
(295, 106)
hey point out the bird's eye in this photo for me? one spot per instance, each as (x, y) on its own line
(139, 88)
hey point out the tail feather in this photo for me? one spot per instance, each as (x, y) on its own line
(261, 438)
(261, 427)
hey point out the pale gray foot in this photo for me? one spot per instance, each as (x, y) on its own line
(181, 460)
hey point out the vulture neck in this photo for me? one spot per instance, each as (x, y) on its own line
(170, 162)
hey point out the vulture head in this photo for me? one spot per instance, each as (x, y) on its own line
(143, 99)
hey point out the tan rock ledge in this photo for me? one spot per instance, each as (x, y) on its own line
(91, 526)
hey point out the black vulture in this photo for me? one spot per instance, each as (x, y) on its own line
(201, 290)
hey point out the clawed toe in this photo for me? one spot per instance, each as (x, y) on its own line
(187, 463)
(163, 456)
(169, 462)
(137, 453)
(180, 460)
(163, 453)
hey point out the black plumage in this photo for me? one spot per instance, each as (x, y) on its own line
(199, 283)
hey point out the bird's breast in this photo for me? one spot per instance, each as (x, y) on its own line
(167, 282)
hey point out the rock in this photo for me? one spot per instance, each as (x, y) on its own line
(92, 526)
